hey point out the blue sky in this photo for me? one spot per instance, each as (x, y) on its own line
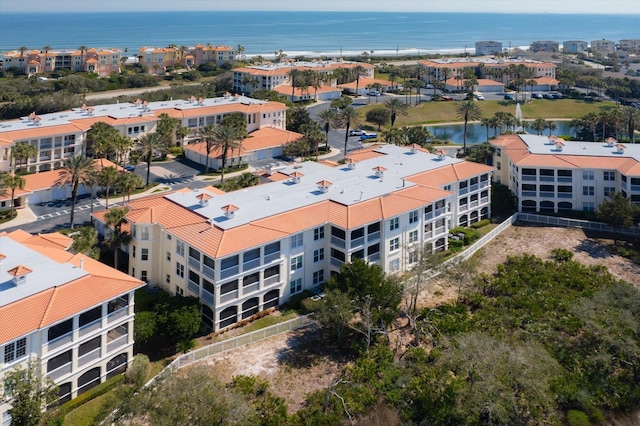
(491, 6)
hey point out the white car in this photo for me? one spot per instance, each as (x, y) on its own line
(356, 132)
(374, 93)
(479, 97)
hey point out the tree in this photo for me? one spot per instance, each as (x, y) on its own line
(107, 177)
(30, 390)
(121, 145)
(349, 117)
(328, 120)
(21, 152)
(117, 238)
(468, 111)
(617, 211)
(85, 240)
(224, 139)
(127, 182)
(100, 139)
(539, 124)
(76, 170)
(13, 182)
(334, 312)
(313, 136)
(630, 116)
(207, 133)
(378, 116)
(396, 107)
(46, 50)
(167, 127)
(149, 145)
(82, 50)
(293, 75)
(358, 72)
(551, 125)
(181, 133)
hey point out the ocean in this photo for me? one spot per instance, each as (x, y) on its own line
(306, 33)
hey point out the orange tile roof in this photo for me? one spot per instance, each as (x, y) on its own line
(364, 82)
(286, 89)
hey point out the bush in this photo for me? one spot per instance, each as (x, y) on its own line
(296, 301)
(577, 418)
(470, 235)
(138, 370)
(561, 255)
(455, 245)
(93, 393)
(480, 224)
(176, 151)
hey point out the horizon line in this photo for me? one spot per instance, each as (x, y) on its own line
(37, 12)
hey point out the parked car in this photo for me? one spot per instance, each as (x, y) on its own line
(536, 96)
(508, 98)
(374, 93)
(447, 98)
(557, 95)
(548, 96)
(129, 167)
(368, 135)
(480, 96)
(355, 132)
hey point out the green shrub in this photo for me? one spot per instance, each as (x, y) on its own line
(138, 370)
(177, 151)
(92, 393)
(577, 418)
(455, 244)
(470, 235)
(561, 255)
(480, 224)
(296, 301)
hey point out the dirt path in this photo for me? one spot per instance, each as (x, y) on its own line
(298, 363)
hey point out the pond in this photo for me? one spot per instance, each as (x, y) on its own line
(477, 133)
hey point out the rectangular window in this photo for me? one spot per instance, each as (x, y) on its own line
(588, 206)
(15, 350)
(143, 276)
(394, 265)
(588, 175)
(318, 233)
(144, 254)
(296, 240)
(588, 191)
(318, 277)
(296, 263)
(609, 190)
(179, 291)
(180, 248)
(180, 269)
(413, 216)
(168, 279)
(394, 224)
(414, 256)
(318, 255)
(394, 244)
(296, 286)
(413, 236)
(610, 176)
(169, 256)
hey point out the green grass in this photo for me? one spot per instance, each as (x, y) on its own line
(268, 321)
(443, 112)
(87, 414)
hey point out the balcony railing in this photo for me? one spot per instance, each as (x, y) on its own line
(463, 191)
(527, 177)
(229, 296)
(208, 271)
(357, 242)
(89, 357)
(428, 215)
(250, 264)
(91, 327)
(338, 242)
(58, 342)
(565, 195)
(374, 236)
(547, 179)
(440, 230)
(484, 183)
(635, 188)
(336, 262)
(117, 343)
(428, 234)
(226, 273)
(474, 187)
(273, 279)
(547, 194)
(193, 287)
(251, 288)
(116, 315)
(207, 297)
(473, 204)
(194, 263)
(529, 193)
(63, 370)
(484, 200)
(565, 179)
(268, 258)
(441, 211)
(464, 207)
(373, 257)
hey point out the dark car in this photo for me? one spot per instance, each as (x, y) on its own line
(508, 98)
(548, 96)
(368, 135)
(557, 96)
(536, 96)
(129, 168)
(447, 98)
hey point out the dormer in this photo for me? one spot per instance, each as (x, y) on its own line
(295, 176)
(19, 274)
(620, 148)
(200, 101)
(229, 210)
(379, 171)
(611, 142)
(90, 110)
(204, 199)
(351, 163)
(324, 185)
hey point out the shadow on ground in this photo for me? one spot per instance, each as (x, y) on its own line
(308, 346)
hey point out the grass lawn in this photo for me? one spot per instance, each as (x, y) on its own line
(443, 112)
(89, 413)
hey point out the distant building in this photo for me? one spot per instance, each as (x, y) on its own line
(544, 46)
(159, 59)
(72, 313)
(488, 47)
(630, 45)
(574, 46)
(100, 61)
(603, 45)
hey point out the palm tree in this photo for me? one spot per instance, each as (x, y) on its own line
(359, 71)
(539, 124)
(108, 177)
(82, 50)
(468, 111)
(14, 183)
(293, 74)
(149, 145)
(239, 51)
(551, 125)
(629, 117)
(121, 145)
(349, 117)
(396, 107)
(181, 133)
(328, 120)
(393, 136)
(127, 183)
(207, 132)
(46, 50)
(22, 151)
(486, 122)
(76, 170)
(225, 138)
(23, 49)
(117, 238)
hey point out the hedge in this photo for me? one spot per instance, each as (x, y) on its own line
(92, 393)
(470, 235)
(480, 224)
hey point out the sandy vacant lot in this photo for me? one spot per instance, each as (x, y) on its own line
(294, 372)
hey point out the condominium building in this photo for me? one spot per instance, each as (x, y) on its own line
(62, 134)
(630, 45)
(603, 45)
(544, 46)
(72, 313)
(487, 47)
(158, 59)
(246, 251)
(574, 46)
(549, 175)
(270, 76)
(100, 61)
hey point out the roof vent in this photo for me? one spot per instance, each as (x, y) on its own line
(611, 141)
(379, 171)
(229, 210)
(324, 185)
(351, 163)
(442, 154)
(559, 145)
(295, 176)
(414, 148)
(620, 148)
(551, 140)
(19, 274)
(204, 199)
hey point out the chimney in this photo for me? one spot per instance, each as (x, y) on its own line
(379, 170)
(324, 185)
(229, 210)
(414, 148)
(442, 154)
(559, 145)
(19, 274)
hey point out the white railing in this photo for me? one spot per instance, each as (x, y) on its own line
(88, 357)
(88, 328)
(575, 223)
(273, 279)
(63, 370)
(228, 296)
(116, 315)
(59, 341)
(114, 344)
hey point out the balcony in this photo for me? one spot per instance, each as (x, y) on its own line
(89, 357)
(565, 179)
(529, 194)
(357, 242)
(90, 328)
(484, 200)
(484, 183)
(463, 191)
(273, 279)
(635, 188)
(428, 234)
(117, 342)
(565, 195)
(336, 262)
(527, 177)
(208, 272)
(428, 216)
(193, 262)
(60, 371)
(373, 237)
(547, 179)
(250, 264)
(474, 187)
(116, 315)
(229, 296)
(473, 204)
(464, 207)
(268, 258)
(441, 211)
(193, 287)
(547, 194)
(338, 242)
(250, 288)
(207, 297)
(373, 257)
(226, 273)
(440, 230)
(58, 342)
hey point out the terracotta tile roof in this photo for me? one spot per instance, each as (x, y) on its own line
(19, 271)
(364, 82)
(286, 89)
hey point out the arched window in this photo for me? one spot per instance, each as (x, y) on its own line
(88, 380)
(228, 316)
(250, 307)
(117, 365)
(271, 299)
